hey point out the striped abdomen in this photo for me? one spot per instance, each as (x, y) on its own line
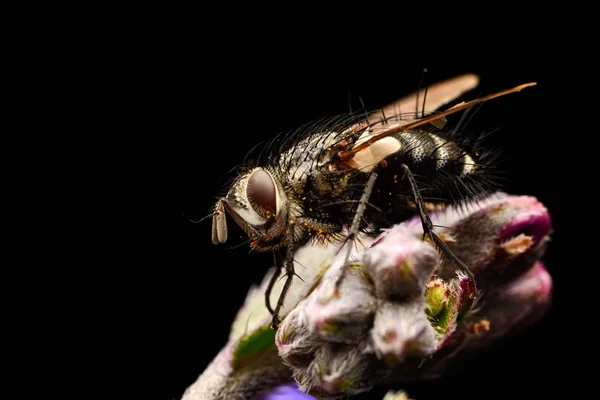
(427, 151)
(445, 171)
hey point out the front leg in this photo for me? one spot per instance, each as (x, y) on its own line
(318, 229)
(276, 274)
(288, 266)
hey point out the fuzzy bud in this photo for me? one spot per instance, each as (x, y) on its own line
(400, 264)
(296, 346)
(340, 369)
(402, 330)
(346, 316)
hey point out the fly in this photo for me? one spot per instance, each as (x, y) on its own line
(360, 174)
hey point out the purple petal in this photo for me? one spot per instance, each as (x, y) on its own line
(535, 223)
(285, 392)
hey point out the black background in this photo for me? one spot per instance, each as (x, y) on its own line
(212, 100)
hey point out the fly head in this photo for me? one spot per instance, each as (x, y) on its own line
(257, 203)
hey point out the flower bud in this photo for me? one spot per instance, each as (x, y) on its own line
(400, 264)
(340, 369)
(346, 316)
(401, 330)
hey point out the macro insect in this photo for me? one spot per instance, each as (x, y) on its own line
(334, 178)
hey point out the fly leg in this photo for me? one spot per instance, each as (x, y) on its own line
(354, 228)
(428, 227)
(321, 229)
(288, 264)
(276, 274)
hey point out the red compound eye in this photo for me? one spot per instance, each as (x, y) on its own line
(261, 193)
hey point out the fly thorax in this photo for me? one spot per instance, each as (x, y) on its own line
(310, 155)
(327, 183)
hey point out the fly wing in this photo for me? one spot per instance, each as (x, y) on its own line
(435, 97)
(404, 111)
(380, 130)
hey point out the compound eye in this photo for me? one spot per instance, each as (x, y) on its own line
(261, 193)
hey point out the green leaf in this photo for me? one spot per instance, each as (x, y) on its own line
(254, 346)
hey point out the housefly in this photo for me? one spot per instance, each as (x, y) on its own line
(334, 178)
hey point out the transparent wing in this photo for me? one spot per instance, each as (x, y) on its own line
(381, 130)
(435, 97)
(404, 111)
